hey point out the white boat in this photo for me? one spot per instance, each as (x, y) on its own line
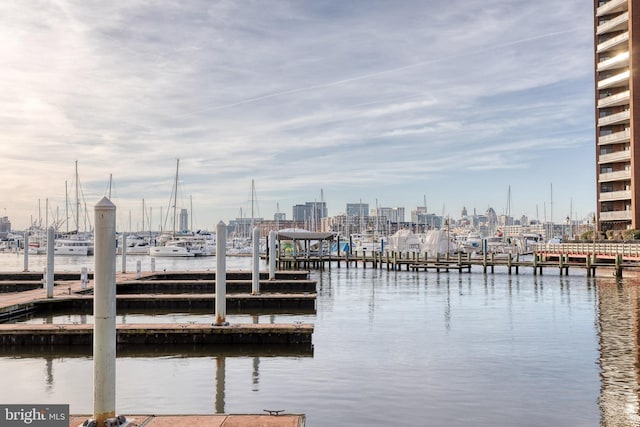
(136, 245)
(172, 249)
(73, 247)
(470, 243)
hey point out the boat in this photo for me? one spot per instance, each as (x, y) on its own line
(470, 243)
(136, 245)
(70, 246)
(175, 248)
(184, 243)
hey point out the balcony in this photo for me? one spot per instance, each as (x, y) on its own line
(615, 195)
(615, 216)
(612, 7)
(621, 98)
(616, 118)
(620, 79)
(620, 22)
(615, 138)
(618, 156)
(618, 61)
(613, 42)
(615, 176)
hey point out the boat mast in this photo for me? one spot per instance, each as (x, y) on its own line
(66, 205)
(425, 213)
(253, 192)
(77, 202)
(175, 196)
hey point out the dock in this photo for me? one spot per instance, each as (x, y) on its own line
(588, 257)
(168, 292)
(21, 334)
(216, 420)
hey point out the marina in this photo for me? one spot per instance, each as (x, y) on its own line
(447, 348)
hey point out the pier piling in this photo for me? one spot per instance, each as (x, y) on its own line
(26, 252)
(50, 266)
(221, 274)
(255, 277)
(104, 337)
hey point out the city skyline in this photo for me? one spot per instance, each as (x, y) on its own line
(381, 102)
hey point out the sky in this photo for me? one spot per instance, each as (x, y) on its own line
(462, 103)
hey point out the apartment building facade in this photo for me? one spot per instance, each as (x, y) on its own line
(617, 40)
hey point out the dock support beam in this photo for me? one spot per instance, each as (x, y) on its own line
(104, 312)
(255, 277)
(221, 274)
(272, 255)
(50, 267)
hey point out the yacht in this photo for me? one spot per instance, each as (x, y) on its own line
(73, 247)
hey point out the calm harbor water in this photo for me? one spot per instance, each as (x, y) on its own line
(390, 348)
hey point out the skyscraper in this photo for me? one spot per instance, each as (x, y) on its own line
(617, 36)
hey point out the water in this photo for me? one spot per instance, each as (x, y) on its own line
(390, 348)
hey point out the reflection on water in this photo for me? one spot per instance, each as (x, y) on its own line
(618, 329)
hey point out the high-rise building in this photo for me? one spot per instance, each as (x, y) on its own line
(357, 209)
(617, 36)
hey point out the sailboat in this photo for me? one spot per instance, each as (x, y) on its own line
(75, 243)
(181, 244)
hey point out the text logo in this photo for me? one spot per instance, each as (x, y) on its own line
(34, 415)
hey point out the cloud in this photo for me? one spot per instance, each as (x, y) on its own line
(292, 94)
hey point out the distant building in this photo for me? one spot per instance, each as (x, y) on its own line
(617, 98)
(393, 214)
(5, 226)
(357, 209)
(184, 220)
(310, 214)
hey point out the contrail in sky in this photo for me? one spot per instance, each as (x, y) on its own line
(383, 72)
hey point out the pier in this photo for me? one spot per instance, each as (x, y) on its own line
(588, 257)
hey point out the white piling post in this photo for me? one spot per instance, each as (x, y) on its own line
(272, 255)
(153, 265)
(221, 274)
(26, 252)
(50, 267)
(84, 278)
(255, 282)
(104, 313)
(124, 252)
(138, 269)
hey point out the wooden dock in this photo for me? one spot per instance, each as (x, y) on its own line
(22, 334)
(217, 420)
(71, 296)
(561, 257)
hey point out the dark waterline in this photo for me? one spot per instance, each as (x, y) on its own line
(393, 348)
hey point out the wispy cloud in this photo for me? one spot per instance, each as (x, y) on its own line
(356, 98)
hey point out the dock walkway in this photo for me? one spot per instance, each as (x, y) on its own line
(69, 294)
(218, 420)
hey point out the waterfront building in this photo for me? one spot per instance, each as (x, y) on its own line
(617, 93)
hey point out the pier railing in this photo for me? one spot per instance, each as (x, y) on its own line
(629, 251)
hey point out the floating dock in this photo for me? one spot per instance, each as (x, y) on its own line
(22, 334)
(181, 294)
(217, 420)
